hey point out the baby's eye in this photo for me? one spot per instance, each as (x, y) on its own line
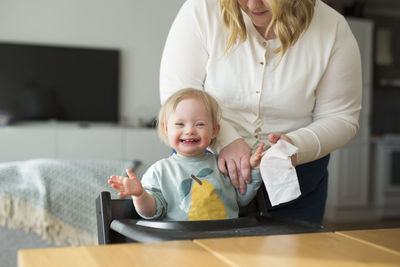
(200, 124)
(179, 123)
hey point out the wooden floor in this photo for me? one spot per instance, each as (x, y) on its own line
(330, 226)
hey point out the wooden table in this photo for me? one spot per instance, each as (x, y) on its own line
(319, 249)
(387, 239)
(173, 253)
(347, 248)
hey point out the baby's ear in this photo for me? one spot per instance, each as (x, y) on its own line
(163, 132)
(164, 126)
(216, 130)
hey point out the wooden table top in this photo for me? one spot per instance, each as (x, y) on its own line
(347, 248)
(388, 239)
(319, 249)
(172, 253)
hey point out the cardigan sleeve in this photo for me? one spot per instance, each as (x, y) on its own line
(184, 59)
(338, 101)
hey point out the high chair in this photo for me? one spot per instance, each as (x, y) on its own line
(118, 222)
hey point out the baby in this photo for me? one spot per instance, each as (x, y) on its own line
(188, 185)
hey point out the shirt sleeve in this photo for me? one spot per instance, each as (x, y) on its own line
(152, 186)
(252, 189)
(338, 101)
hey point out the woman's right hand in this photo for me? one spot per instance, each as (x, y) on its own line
(273, 139)
(234, 160)
(127, 186)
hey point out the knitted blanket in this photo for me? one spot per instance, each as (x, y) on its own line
(56, 198)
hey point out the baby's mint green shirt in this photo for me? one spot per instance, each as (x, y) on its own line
(169, 181)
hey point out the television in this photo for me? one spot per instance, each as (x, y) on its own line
(43, 82)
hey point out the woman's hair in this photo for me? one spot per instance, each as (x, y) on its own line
(172, 102)
(290, 18)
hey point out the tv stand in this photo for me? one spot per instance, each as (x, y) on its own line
(62, 124)
(51, 139)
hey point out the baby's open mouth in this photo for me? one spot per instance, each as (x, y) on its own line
(189, 140)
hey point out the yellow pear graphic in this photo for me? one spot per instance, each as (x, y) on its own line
(206, 205)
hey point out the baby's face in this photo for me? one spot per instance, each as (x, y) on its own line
(190, 129)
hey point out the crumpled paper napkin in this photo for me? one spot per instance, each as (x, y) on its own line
(279, 175)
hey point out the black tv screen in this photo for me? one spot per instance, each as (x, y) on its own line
(39, 83)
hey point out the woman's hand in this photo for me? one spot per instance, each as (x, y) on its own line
(234, 160)
(127, 186)
(274, 137)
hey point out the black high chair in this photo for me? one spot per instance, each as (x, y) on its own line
(118, 222)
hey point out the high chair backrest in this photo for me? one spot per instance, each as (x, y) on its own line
(107, 210)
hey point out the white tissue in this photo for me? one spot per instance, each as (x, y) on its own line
(279, 175)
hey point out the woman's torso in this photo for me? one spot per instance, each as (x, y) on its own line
(258, 96)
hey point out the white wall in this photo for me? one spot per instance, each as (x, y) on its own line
(137, 28)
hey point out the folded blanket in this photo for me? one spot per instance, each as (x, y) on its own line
(56, 198)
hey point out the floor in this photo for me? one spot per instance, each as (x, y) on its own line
(13, 240)
(392, 223)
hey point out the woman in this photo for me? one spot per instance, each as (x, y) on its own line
(285, 69)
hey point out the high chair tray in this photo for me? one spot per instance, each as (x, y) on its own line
(154, 231)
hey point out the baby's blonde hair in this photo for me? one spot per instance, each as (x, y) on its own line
(172, 102)
(290, 19)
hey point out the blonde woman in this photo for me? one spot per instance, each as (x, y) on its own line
(285, 69)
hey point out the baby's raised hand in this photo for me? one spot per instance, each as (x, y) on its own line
(255, 159)
(127, 186)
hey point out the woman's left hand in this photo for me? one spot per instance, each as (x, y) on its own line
(274, 137)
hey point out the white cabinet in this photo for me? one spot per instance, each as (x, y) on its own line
(71, 141)
(352, 158)
(349, 184)
(349, 189)
(363, 32)
(145, 145)
(90, 142)
(387, 176)
(31, 142)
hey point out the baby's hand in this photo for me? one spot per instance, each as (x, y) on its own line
(255, 159)
(127, 186)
